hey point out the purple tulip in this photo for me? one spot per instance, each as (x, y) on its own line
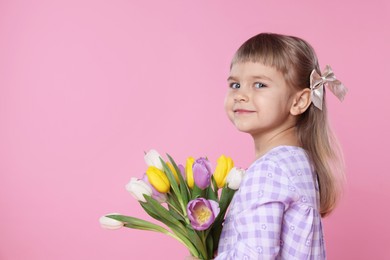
(202, 172)
(160, 197)
(182, 171)
(202, 212)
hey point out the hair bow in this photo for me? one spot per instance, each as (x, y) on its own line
(328, 79)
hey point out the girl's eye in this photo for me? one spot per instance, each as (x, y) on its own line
(259, 85)
(234, 85)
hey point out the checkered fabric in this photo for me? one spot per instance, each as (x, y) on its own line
(274, 214)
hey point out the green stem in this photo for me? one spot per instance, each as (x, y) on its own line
(183, 208)
(136, 223)
(204, 245)
(179, 201)
(177, 211)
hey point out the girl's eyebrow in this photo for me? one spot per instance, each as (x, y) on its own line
(262, 77)
(232, 78)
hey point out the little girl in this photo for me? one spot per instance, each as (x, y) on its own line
(277, 95)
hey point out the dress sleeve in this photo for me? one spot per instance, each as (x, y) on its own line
(264, 197)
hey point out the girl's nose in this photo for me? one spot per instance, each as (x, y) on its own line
(240, 96)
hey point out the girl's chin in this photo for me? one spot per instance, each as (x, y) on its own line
(247, 129)
(244, 129)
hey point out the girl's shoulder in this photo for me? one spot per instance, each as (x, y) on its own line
(286, 172)
(283, 154)
(289, 160)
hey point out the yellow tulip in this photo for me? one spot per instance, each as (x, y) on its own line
(189, 172)
(158, 179)
(224, 165)
(173, 171)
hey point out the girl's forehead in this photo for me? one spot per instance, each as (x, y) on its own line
(253, 69)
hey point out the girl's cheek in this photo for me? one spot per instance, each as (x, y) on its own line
(229, 108)
(228, 103)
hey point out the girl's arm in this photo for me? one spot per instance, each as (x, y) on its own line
(258, 224)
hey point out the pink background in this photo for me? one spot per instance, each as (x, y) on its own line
(87, 86)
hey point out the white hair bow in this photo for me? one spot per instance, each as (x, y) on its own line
(328, 79)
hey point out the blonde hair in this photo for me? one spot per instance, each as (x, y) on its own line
(295, 59)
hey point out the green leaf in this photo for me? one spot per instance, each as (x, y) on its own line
(137, 223)
(173, 210)
(171, 178)
(189, 242)
(172, 199)
(197, 241)
(226, 198)
(155, 210)
(216, 232)
(184, 191)
(210, 194)
(210, 247)
(163, 213)
(196, 192)
(151, 212)
(158, 212)
(175, 188)
(214, 186)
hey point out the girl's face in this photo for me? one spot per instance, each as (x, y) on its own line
(258, 101)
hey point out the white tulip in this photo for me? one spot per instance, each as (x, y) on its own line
(234, 178)
(110, 223)
(152, 158)
(138, 188)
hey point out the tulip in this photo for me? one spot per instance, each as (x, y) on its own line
(202, 213)
(152, 158)
(160, 197)
(182, 171)
(158, 179)
(138, 189)
(224, 165)
(173, 171)
(110, 223)
(235, 177)
(189, 172)
(202, 173)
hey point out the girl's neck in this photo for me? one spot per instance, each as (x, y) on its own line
(264, 143)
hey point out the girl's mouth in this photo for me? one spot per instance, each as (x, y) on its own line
(243, 111)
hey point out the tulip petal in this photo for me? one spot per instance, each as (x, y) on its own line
(109, 223)
(152, 158)
(224, 165)
(160, 197)
(235, 177)
(170, 165)
(202, 173)
(202, 213)
(214, 207)
(189, 172)
(201, 176)
(158, 179)
(137, 188)
(182, 171)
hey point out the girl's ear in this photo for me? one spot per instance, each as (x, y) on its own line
(301, 102)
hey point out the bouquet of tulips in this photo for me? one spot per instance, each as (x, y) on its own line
(190, 201)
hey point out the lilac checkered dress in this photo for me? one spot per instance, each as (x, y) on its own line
(274, 214)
